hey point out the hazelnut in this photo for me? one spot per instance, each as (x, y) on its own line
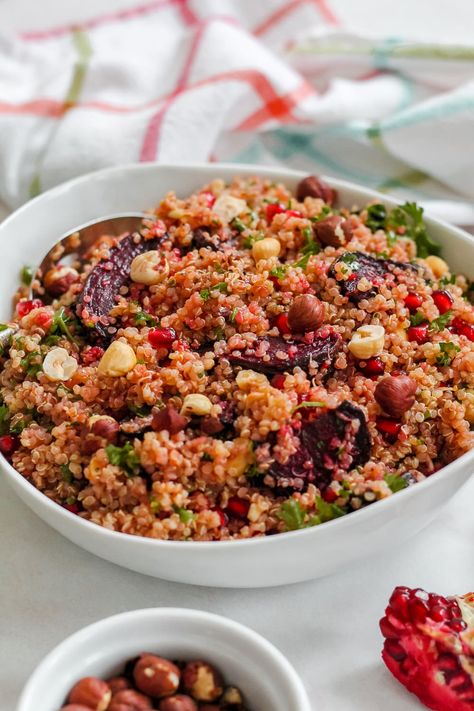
(156, 676)
(232, 695)
(149, 268)
(119, 359)
(333, 231)
(367, 341)
(266, 248)
(395, 394)
(58, 279)
(178, 703)
(202, 681)
(129, 700)
(311, 186)
(168, 419)
(118, 683)
(306, 313)
(104, 426)
(59, 365)
(211, 425)
(91, 692)
(196, 404)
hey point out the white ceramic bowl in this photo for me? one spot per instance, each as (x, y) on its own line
(247, 660)
(286, 558)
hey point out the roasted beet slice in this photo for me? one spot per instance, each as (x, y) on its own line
(363, 265)
(284, 355)
(103, 284)
(295, 474)
(337, 440)
(203, 238)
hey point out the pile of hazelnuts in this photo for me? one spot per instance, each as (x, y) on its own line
(152, 682)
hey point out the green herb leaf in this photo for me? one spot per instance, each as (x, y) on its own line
(124, 457)
(206, 457)
(278, 272)
(139, 410)
(395, 482)
(327, 512)
(447, 352)
(417, 318)
(18, 427)
(440, 323)
(67, 474)
(292, 514)
(308, 403)
(61, 323)
(185, 515)
(4, 419)
(142, 318)
(326, 210)
(26, 275)
(205, 294)
(233, 314)
(4, 326)
(252, 471)
(376, 216)
(238, 224)
(410, 216)
(221, 286)
(31, 365)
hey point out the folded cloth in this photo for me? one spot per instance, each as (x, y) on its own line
(279, 82)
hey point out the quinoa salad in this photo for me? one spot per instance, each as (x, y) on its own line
(253, 360)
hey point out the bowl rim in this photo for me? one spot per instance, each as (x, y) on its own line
(210, 619)
(208, 169)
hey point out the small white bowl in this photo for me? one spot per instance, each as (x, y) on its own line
(246, 660)
(258, 562)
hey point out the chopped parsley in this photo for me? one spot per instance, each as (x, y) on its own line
(206, 457)
(18, 427)
(139, 410)
(417, 318)
(4, 419)
(447, 352)
(278, 272)
(66, 474)
(448, 279)
(349, 258)
(395, 482)
(238, 224)
(324, 213)
(311, 247)
(233, 314)
(376, 217)
(440, 323)
(124, 457)
(292, 515)
(326, 512)
(185, 515)
(31, 365)
(26, 275)
(143, 318)
(409, 217)
(4, 326)
(61, 322)
(252, 471)
(221, 286)
(205, 294)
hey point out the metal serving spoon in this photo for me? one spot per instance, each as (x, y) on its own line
(76, 244)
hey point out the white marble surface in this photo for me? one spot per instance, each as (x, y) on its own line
(327, 628)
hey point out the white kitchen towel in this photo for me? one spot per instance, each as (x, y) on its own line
(279, 82)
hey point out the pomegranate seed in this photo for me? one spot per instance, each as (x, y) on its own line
(399, 601)
(463, 328)
(73, 508)
(44, 320)
(439, 613)
(418, 610)
(26, 305)
(209, 198)
(387, 629)
(389, 428)
(373, 367)
(457, 625)
(238, 507)
(274, 208)
(161, 337)
(282, 324)
(222, 515)
(330, 495)
(394, 649)
(413, 301)
(447, 662)
(419, 334)
(8, 445)
(294, 213)
(92, 355)
(278, 381)
(443, 300)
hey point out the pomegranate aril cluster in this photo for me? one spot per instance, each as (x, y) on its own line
(153, 682)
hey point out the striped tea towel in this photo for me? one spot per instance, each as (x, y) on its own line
(275, 82)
